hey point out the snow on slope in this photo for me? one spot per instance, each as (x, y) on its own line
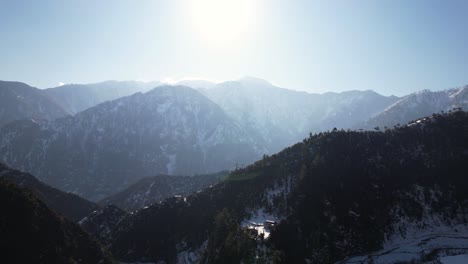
(154, 189)
(19, 101)
(112, 145)
(78, 97)
(280, 117)
(419, 104)
(429, 238)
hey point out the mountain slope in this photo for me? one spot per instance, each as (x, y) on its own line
(101, 222)
(66, 204)
(279, 117)
(32, 233)
(157, 188)
(20, 101)
(169, 130)
(78, 97)
(334, 195)
(419, 104)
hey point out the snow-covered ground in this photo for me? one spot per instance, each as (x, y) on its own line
(260, 230)
(187, 255)
(432, 237)
(458, 259)
(415, 248)
(257, 220)
(441, 240)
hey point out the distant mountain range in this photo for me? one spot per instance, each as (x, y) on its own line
(20, 101)
(419, 104)
(98, 139)
(280, 117)
(75, 98)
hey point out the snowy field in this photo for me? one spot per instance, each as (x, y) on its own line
(442, 244)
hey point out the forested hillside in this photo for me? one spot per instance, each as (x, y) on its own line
(66, 204)
(31, 233)
(336, 194)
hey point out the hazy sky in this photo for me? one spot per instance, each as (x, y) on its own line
(392, 47)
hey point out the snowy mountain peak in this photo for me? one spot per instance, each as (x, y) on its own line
(249, 80)
(196, 83)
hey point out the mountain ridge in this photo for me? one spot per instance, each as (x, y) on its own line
(173, 130)
(66, 204)
(78, 97)
(19, 101)
(154, 189)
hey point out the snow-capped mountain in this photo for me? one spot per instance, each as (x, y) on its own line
(198, 84)
(281, 117)
(19, 101)
(157, 188)
(419, 104)
(97, 152)
(345, 110)
(78, 97)
(276, 116)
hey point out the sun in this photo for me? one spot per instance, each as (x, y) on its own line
(221, 21)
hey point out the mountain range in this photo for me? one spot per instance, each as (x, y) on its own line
(75, 98)
(20, 101)
(419, 104)
(280, 117)
(98, 139)
(388, 191)
(173, 130)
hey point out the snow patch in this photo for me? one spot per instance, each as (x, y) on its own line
(189, 255)
(412, 240)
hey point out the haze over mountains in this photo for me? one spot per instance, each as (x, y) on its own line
(19, 100)
(420, 104)
(191, 172)
(115, 133)
(172, 130)
(279, 117)
(149, 140)
(78, 97)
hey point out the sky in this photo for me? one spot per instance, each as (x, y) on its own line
(390, 46)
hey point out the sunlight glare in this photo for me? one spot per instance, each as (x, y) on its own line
(221, 21)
